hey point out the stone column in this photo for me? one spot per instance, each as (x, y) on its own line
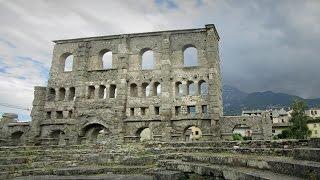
(214, 84)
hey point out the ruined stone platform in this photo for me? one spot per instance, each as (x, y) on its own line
(159, 160)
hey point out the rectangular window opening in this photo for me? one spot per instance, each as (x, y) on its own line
(177, 110)
(131, 111)
(156, 110)
(191, 110)
(59, 115)
(204, 109)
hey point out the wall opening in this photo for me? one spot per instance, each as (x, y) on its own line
(177, 110)
(133, 90)
(91, 92)
(191, 110)
(113, 91)
(156, 110)
(70, 114)
(66, 62)
(16, 138)
(62, 94)
(147, 59)
(203, 88)
(59, 114)
(131, 111)
(106, 57)
(143, 111)
(144, 134)
(145, 89)
(191, 88)
(179, 89)
(92, 131)
(51, 94)
(204, 109)
(156, 89)
(72, 94)
(192, 133)
(190, 56)
(102, 92)
(57, 137)
(243, 130)
(48, 115)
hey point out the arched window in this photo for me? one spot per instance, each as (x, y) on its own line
(72, 93)
(190, 56)
(113, 91)
(156, 89)
(191, 88)
(102, 92)
(133, 90)
(66, 62)
(106, 57)
(62, 94)
(145, 89)
(179, 89)
(203, 88)
(91, 90)
(147, 59)
(144, 134)
(51, 94)
(192, 133)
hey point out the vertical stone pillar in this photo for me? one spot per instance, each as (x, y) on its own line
(166, 87)
(122, 87)
(37, 114)
(214, 84)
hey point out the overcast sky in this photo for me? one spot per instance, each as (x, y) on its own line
(265, 44)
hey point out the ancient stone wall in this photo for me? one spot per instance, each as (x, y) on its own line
(89, 102)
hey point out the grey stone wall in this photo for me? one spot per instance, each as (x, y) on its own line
(90, 102)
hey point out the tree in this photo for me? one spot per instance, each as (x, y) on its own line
(299, 128)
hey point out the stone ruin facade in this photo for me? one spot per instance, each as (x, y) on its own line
(116, 105)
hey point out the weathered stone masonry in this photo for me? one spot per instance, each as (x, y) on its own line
(90, 103)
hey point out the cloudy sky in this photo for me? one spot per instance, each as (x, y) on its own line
(265, 44)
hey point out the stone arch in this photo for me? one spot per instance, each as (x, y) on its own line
(51, 96)
(147, 59)
(190, 55)
(145, 89)
(16, 137)
(144, 133)
(203, 87)
(66, 62)
(191, 133)
(191, 88)
(156, 88)
(243, 129)
(133, 90)
(105, 57)
(57, 137)
(179, 89)
(61, 94)
(90, 132)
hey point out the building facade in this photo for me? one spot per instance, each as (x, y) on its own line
(87, 102)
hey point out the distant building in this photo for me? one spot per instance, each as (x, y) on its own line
(253, 112)
(313, 112)
(280, 116)
(314, 127)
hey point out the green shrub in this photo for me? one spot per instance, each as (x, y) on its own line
(237, 137)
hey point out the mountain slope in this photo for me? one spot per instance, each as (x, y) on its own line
(234, 100)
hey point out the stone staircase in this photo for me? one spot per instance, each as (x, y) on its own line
(159, 160)
(235, 160)
(72, 161)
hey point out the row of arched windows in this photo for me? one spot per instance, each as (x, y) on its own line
(102, 91)
(192, 89)
(61, 94)
(190, 56)
(146, 89)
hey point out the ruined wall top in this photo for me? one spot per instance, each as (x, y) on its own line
(154, 33)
